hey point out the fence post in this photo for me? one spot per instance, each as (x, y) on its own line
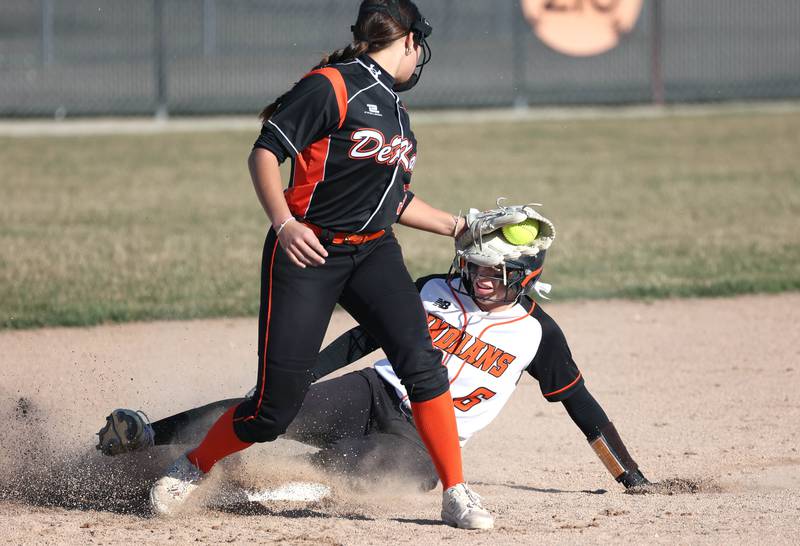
(209, 27)
(656, 68)
(47, 32)
(159, 60)
(519, 34)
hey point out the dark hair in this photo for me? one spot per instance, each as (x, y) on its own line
(373, 31)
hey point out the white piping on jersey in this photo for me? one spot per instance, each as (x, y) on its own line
(324, 167)
(394, 175)
(361, 91)
(284, 136)
(375, 74)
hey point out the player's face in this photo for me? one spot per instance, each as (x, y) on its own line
(489, 284)
(409, 62)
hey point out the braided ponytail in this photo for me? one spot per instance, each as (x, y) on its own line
(353, 50)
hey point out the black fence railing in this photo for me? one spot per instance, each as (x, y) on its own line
(124, 57)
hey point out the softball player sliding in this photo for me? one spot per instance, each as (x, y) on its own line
(490, 332)
(352, 152)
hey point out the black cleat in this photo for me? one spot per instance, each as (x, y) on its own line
(125, 431)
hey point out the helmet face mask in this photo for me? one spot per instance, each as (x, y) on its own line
(420, 30)
(511, 279)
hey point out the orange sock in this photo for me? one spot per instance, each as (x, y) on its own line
(436, 424)
(220, 441)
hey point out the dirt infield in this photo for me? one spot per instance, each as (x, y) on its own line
(705, 392)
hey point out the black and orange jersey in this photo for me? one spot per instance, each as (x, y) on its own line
(350, 141)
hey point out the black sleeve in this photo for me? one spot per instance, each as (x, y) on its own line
(409, 197)
(422, 281)
(305, 114)
(586, 412)
(553, 366)
(352, 345)
(269, 141)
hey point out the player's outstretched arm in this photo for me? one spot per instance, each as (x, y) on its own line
(561, 381)
(420, 215)
(601, 434)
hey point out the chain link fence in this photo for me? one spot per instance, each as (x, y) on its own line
(127, 57)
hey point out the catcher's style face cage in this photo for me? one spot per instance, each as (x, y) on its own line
(419, 27)
(517, 276)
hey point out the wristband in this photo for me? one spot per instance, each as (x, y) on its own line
(455, 223)
(283, 225)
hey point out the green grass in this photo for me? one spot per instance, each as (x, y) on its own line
(98, 229)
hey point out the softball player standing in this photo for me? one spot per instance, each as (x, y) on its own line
(352, 151)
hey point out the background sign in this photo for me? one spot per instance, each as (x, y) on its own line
(581, 27)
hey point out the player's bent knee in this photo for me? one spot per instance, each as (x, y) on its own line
(248, 432)
(270, 411)
(426, 385)
(258, 425)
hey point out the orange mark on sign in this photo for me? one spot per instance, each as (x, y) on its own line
(581, 28)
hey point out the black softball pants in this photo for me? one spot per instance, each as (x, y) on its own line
(372, 283)
(357, 423)
(355, 420)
